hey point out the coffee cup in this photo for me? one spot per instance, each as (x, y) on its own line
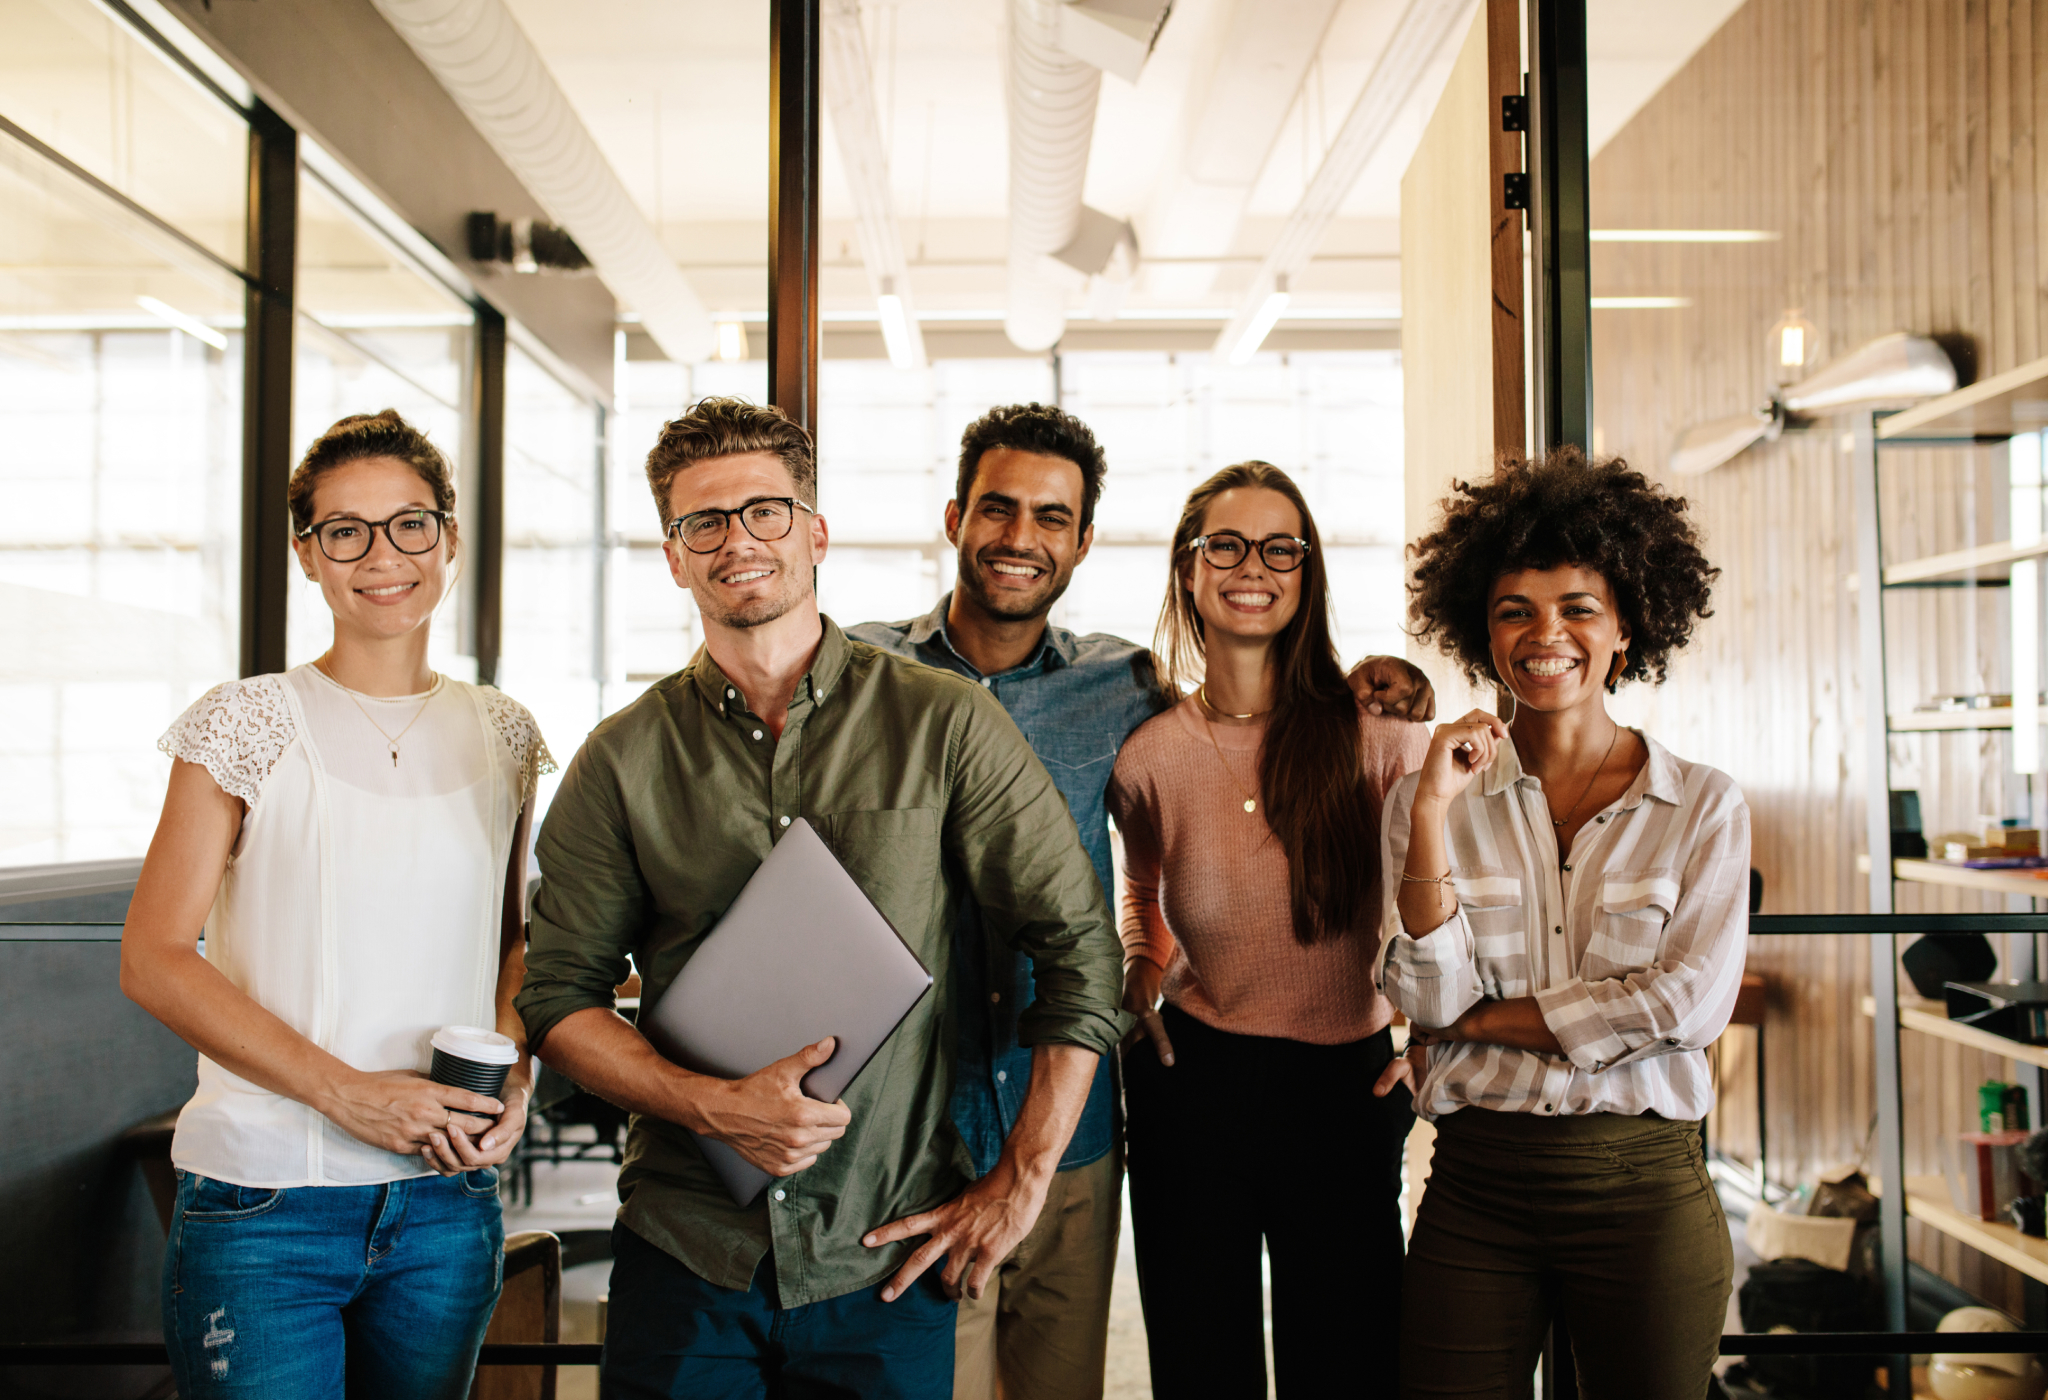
(472, 1058)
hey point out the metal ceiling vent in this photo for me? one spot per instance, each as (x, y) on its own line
(483, 58)
(1057, 55)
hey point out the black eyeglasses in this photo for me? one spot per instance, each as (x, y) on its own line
(348, 539)
(1226, 549)
(767, 519)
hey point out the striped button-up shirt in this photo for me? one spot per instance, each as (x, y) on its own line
(1632, 947)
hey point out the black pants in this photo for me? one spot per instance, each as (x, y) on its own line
(1246, 1138)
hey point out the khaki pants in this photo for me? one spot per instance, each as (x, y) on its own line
(1609, 1221)
(1040, 1330)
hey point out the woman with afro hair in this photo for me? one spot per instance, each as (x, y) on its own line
(1567, 938)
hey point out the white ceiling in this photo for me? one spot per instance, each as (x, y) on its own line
(676, 94)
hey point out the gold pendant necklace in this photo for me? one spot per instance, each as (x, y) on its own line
(1560, 822)
(1251, 804)
(390, 739)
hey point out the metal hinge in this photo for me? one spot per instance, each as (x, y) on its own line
(1514, 112)
(1514, 192)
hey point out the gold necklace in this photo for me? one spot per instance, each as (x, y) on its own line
(1251, 804)
(1566, 818)
(390, 739)
(1202, 691)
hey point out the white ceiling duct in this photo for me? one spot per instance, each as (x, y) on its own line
(1893, 368)
(850, 95)
(1255, 64)
(478, 52)
(1115, 35)
(1421, 34)
(1052, 121)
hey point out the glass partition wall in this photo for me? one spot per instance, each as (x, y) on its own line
(122, 216)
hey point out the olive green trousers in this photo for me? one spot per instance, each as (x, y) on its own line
(1607, 1221)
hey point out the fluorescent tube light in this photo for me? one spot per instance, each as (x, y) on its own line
(1261, 324)
(1682, 235)
(1641, 303)
(895, 326)
(190, 325)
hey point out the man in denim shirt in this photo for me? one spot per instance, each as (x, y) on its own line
(1021, 519)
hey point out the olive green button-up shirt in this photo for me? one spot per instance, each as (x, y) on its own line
(925, 790)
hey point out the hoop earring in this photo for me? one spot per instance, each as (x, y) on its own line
(1514, 705)
(1616, 669)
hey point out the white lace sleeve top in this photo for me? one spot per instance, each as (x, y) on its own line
(364, 897)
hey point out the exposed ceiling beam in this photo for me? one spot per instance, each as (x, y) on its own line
(1416, 41)
(1255, 61)
(478, 52)
(850, 97)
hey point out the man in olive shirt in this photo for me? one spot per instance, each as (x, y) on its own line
(926, 791)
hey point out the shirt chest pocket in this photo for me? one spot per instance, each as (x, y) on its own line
(1628, 923)
(894, 857)
(1499, 919)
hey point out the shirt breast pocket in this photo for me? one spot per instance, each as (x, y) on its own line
(894, 857)
(1499, 921)
(1628, 924)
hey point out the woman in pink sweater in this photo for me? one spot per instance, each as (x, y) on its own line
(1250, 815)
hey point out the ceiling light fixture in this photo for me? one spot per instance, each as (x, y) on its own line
(1682, 235)
(729, 339)
(895, 326)
(1262, 322)
(1792, 345)
(190, 325)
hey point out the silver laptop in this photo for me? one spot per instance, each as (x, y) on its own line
(802, 954)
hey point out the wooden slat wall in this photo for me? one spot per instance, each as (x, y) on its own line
(1892, 144)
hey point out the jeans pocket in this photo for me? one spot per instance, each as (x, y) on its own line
(208, 1200)
(481, 1183)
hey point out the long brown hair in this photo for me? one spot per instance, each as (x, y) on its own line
(1310, 765)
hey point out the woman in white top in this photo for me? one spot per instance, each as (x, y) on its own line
(350, 836)
(1568, 939)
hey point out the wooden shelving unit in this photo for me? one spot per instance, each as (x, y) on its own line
(1983, 415)
(1929, 1018)
(1977, 565)
(1927, 1201)
(2002, 406)
(1937, 721)
(2029, 884)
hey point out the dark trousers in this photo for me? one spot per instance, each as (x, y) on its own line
(1244, 1139)
(1609, 1220)
(669, 1335)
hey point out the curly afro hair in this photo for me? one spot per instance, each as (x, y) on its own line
(1557, 510)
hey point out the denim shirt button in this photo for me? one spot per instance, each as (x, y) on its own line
(996, 997)
(1002, 1076)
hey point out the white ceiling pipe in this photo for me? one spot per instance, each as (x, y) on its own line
(1255, 64)
(483, 58)
(850, 96)
(1052, 121)
(1419, 37)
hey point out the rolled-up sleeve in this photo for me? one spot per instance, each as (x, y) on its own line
(1683, 1001)
(1014, 840)
(591, 903)
(1433, 977)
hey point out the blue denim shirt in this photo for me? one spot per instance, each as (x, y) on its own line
(1076, 699)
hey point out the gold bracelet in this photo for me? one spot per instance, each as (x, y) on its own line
(1443, 879)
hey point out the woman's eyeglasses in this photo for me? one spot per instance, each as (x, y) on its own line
(1226, 549)
(767, 520)
(348, 539)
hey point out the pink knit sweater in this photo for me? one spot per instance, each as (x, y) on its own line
(1205, 882)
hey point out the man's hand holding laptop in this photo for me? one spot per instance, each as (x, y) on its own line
(768, 1119)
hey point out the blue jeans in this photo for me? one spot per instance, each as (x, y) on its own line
(324, 1292)
(669, 1335)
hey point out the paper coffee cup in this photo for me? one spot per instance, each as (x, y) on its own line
(472, 1058)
